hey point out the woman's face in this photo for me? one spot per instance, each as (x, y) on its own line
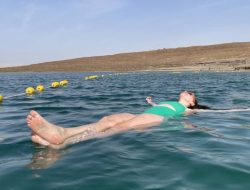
(188, 97)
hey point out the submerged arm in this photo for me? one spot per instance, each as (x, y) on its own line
(222, 110)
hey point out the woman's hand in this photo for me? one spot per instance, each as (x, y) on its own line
(149, 100)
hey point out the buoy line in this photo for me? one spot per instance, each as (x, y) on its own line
(55, 84)
(38, 89)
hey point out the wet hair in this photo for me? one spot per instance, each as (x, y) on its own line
(198, 106)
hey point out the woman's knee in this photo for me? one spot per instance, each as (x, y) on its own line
(104, 119)
(107, 121)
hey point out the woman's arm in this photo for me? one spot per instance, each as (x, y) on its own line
(224, 110)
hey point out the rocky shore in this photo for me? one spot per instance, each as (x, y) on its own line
(220, 57)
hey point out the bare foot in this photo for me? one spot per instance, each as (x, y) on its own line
(39, 140)
(45, 131)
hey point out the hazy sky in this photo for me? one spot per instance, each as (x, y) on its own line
(33, 31)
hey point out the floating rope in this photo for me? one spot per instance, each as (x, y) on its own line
(39, 89)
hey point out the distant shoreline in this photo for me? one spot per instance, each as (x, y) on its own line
(219, 57)
(137, 71)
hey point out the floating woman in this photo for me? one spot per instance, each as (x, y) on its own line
(48, 134)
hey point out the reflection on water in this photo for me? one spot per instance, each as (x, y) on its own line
(45, 157)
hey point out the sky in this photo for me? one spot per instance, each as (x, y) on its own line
(34, 31)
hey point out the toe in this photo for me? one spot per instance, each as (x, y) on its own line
(34, 139)
(33, 113)
(29, 117)
(39, 140)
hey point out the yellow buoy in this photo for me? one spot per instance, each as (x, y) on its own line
(30, 90)
(40, 88)
(64, 83)
(1, 98)
(55, 84)
(91, 77)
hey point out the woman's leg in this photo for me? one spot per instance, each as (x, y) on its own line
(141, 121)
(56, 135)
(137, 122)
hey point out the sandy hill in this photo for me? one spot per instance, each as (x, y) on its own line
(230, 56)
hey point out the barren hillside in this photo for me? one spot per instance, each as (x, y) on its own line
(231, 56)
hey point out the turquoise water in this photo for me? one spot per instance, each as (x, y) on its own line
(214, 155)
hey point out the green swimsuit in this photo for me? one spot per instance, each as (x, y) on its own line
(170, 109)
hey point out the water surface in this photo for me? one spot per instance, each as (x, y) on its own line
(215, 155)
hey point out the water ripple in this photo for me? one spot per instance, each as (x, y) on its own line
(213, 155)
